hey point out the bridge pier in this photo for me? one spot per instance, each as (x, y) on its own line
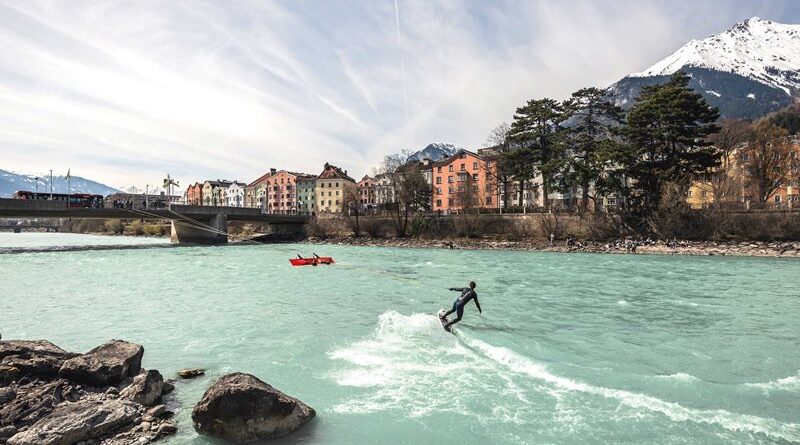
(212, 231)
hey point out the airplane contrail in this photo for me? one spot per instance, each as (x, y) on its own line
(402, 61)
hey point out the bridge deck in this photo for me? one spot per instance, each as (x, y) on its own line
(20, 208)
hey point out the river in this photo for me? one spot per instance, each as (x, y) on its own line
(570, 348)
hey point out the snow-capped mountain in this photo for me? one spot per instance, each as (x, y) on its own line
(434, 152)
(747, 71)
(11, 182)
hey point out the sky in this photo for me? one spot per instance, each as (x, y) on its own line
(126, 92)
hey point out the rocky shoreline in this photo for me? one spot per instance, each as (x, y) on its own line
(698, 248)
(49, 396)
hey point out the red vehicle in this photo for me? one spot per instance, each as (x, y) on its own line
(314, 261)
(78, 200)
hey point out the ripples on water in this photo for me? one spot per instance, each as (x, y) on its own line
(570, 349)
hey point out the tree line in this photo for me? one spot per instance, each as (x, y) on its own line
(647, 157)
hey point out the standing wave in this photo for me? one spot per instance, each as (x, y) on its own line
(730, 421)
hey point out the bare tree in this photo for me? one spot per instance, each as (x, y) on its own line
(411, 192)
(725, 184)
(500, 141)
(351, 206)
(765, 162)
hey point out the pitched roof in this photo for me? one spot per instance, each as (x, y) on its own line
(455, 156)
(219, 183)
(333, 172)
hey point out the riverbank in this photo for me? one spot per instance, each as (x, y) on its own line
(695, 248)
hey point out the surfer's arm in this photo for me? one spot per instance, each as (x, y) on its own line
(478, 304)
(457, 289)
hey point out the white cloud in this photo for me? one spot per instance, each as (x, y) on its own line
(124, 92)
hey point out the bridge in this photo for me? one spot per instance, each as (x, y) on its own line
(190, 224)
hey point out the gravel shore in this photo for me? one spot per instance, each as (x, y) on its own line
(704, 248)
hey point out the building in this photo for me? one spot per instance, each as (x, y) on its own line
(282, 192)
(194, 194)
(384, 191)
(234, 196)
(367, 194)
(306, 195)
(736, 187)
(214, 192)
(331, 187)
(463, 182)
(255, 193)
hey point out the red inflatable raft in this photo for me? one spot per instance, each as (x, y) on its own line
(311, 261)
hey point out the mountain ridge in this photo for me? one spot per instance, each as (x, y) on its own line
(11, 182)
(747, 71)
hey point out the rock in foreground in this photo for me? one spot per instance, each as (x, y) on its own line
(74, 422)
(241, 408)
(49, 396)
(107, 364)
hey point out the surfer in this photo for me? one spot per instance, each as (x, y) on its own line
(467, 294)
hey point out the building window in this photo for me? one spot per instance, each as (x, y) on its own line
(438, 190)
(438, 169)
(450, 168)
(438, 179)
(474, 165)
(488, 200)
(474, 176)
(777, 199)
(689, 194)
(450, 201)
(463, 167)
(438, 203)
(337, 184)
(449, 179)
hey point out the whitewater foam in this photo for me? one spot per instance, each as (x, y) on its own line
(674, 411)
(791, 384)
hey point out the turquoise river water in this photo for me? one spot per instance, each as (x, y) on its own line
(570, 348)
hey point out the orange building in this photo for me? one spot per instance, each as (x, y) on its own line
(464, 181)
(194, 194)
(282, 191)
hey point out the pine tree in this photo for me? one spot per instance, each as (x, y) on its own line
(589, 140)
(666, 133)
(536, 129)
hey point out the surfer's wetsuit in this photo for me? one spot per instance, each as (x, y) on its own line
(467, 294)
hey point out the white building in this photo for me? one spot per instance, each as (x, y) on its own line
(234, 195)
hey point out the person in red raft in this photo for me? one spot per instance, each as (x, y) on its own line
(467, 294)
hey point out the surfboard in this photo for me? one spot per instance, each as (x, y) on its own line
(444, 320)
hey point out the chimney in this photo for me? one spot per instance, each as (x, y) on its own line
(345, 172)
(272, 171)
(327, 166)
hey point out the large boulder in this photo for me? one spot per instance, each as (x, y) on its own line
(70, 423)
(242, 408)
(145, 389)
(105, 365)
(35, 357)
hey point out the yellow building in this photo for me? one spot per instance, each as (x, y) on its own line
(332, 187)
(700, 194)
